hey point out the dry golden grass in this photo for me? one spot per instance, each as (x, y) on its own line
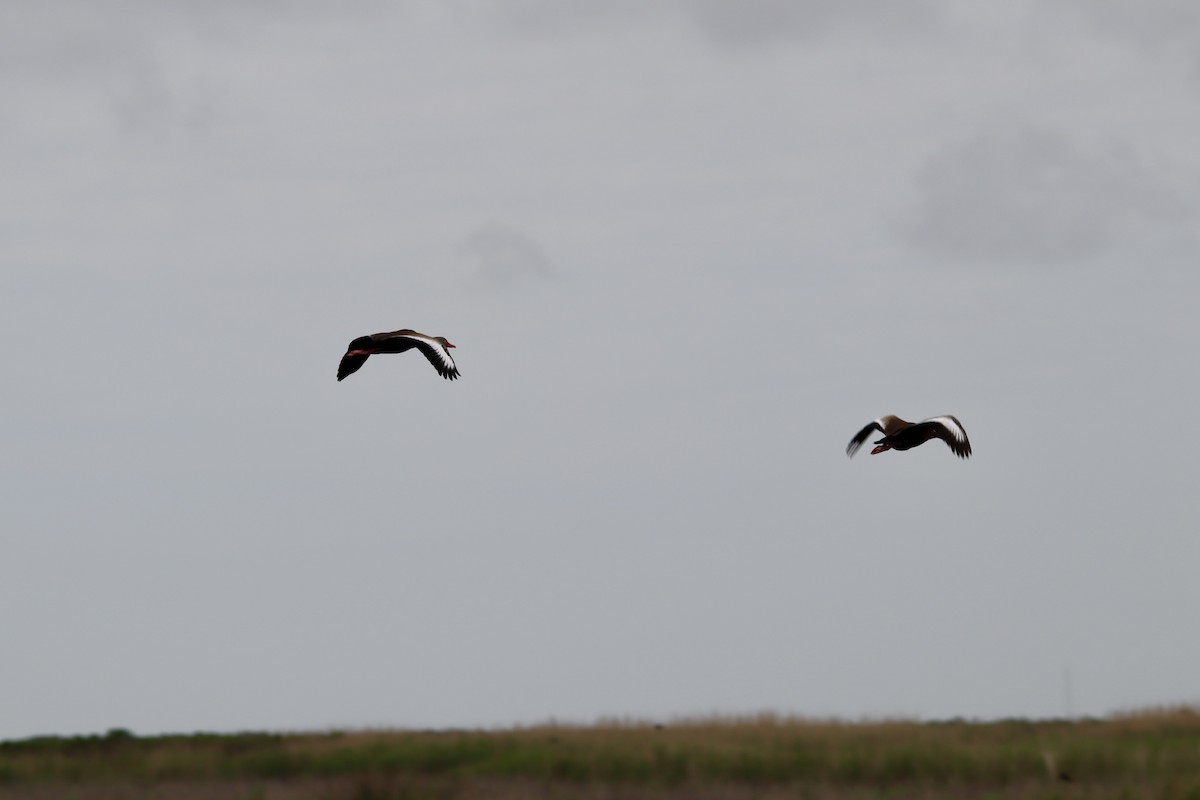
(1153, 754)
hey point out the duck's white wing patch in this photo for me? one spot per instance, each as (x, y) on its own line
(438, 355)
(952, 426)
(952, 433)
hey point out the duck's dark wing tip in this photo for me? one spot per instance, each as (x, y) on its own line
(349, 365)
(447, 371)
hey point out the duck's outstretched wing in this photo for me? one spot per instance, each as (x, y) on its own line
(356, 355)
(862, 436)
(350, 364)
(950, 431)
(437, 353)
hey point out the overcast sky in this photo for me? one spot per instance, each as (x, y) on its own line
(685, 250)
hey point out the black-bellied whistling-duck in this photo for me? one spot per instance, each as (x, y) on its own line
(434, 348)
(901, 435)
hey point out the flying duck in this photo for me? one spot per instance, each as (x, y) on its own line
(434, 348)
(901, 435)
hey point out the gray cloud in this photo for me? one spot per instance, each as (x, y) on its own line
(555, 17)
(1034, 194)
(499, 256)
(1152, 25)
(761, 21)
(1158, 29)
(750, 23)
(136, 66)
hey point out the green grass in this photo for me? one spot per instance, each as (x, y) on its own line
(1152, 754)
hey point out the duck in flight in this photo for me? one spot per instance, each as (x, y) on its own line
(899, 434)
(434, 348)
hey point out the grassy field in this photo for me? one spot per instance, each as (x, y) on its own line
(1145, 755)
